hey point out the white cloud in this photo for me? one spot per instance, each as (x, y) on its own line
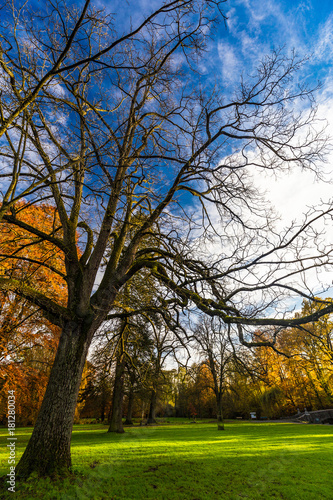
(324, 45)
(230, 64)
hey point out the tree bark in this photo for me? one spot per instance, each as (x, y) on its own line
(128, 420)
(103, 406)
(220, 422)
(116, 422)
(152, 408)
(48, 451)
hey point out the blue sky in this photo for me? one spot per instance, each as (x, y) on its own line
(254, 29)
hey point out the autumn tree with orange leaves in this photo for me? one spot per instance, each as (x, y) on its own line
(298, 374)
(28, 341)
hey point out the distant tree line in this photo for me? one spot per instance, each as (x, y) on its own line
(226, 382)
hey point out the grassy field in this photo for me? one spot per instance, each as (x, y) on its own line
(190, 462)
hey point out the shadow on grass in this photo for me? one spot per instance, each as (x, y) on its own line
(195, 462)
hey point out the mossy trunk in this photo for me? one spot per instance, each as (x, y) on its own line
(116, 422)
(48, 450)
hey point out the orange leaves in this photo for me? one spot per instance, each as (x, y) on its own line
(306, 377)
(27, 353)
(28, 341)
(199, 391)
(26, 257)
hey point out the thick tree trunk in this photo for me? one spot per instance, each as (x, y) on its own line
(116, 422)
(220, 422)
(48, 451)
(152, 408)
(128, 420)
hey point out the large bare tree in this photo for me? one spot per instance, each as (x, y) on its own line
(108, 125)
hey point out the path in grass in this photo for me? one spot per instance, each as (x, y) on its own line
(192, 462)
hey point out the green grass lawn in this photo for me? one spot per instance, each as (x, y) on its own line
(193, 461)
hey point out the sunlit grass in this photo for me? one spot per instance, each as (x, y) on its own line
(194, 461)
